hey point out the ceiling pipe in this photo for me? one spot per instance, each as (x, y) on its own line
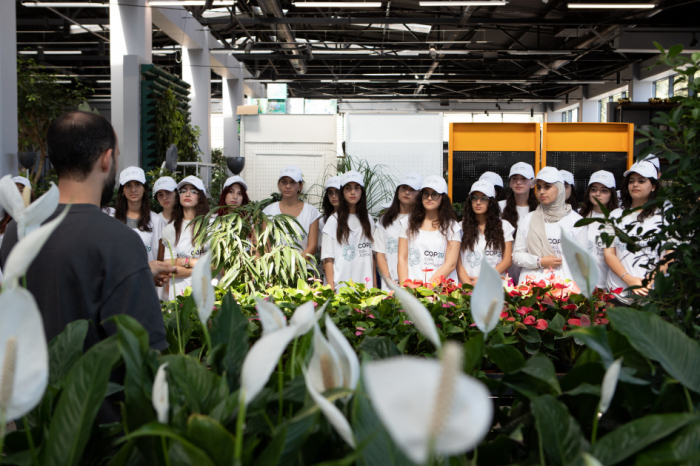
(283, 33)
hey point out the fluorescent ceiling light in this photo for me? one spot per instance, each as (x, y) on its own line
(610, 6)
(464, 3)
(417, 28)
(65, 4)
(190, 3)
(103, 81)
(578, 82)
(52, 52)
(84, 29)
(540, 52)
(338, 4)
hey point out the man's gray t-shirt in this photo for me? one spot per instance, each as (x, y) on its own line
(92, 267)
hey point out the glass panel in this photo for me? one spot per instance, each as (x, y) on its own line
(574, 115)
(603, 105)
(680, 88)
(661, 89)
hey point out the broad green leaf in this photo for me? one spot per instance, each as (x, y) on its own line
(181, 451)
(506, 357)
(683, 448)
(379, 347)
(675, 50)
(211, 437)
(473, 353)
(229, 327)
(660, 341)
(559, 432)
(541, 367)
(272, 453)
(65, 349)
(201, 387)
(298, 430)
(595, 338)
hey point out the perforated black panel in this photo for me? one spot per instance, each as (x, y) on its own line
(467, 167)
(584, 164)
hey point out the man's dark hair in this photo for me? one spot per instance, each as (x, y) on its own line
(76, 140)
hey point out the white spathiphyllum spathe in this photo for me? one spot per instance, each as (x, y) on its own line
(24, 356)
(304, 318)
(271, 317)
(417, 313)
(160, 396)
(582, 264)
(25, 251)
(202, 289)
(31, 217)
(331, 412)
(426, 402)
(607, 389)
(487, 298)
(349, 363)
(590, 460)
(168, 236)
(324, 371)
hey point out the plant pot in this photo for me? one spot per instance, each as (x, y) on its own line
(235, 164)
(26, 159)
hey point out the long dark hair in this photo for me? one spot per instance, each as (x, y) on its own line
(326, 205)
(144, 212)
(500, 193)
(493, 231)
(587, 205)
(510, 213)
(6, 219)
(627, 199)
(178, 215)
(343, 232)
(393, 211)
(226, 209)
(446, 214)
(573, 199)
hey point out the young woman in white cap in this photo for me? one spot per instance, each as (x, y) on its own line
(329, 204)
(193, 203)
(234, 194)
(347, 237)
(569, 184)
(601, 188)
(628, 268)
(485, 237)
(134, 209)
(290, 184)
(165, 192)
(537, 244)
(497, 182)
(386, 236)
(430, 237)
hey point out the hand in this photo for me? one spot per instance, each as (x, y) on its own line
(162, 271)
(550, 261)
(473, 280)
(636, 281)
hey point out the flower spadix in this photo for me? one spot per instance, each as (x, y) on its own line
(417, 313)
(202, 289)
(324, 371)
(331, 412)
(24, 357)
(582, 265)
(607, 389)
(426, 403)
(160, 396)
(28, 218)
(487, 298)
(349, 363)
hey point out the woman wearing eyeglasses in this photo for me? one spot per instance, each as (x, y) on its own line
(193, 203)
(430, 237)
(485, 237)
(538, 242)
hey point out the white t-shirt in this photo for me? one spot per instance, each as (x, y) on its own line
(596, 246)
(163, 219)
(633, 262)
(386, 241)
(183, 249)
(514, 270)
(351, 261)
(427, 250)
(309, 214)
(528, 262)
(471, 260)
(151, 239)
(109, 211)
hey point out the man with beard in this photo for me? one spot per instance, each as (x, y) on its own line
(92, 267)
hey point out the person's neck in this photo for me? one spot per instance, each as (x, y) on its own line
(79, 192)
(352, 209)
(290, 201)
(188, 213)
(167, 213)
(431, 215)
(639, 202)
(522, 200)
(134, 209)
(481, 220)
(405, 208)
(597, 209)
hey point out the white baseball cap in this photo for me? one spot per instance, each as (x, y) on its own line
(194, 181)
(568, 177)
(22, 180)
(164, 183)
(646, 169)
(235, 179)
(293, 172)
(333, 182)
(412, 179)
(493, 178)
(352, 177)
(484, 186)
(386, 205)
(550, 175)
(603, 177)
(132, 174)
(522, 169)
(436, 183)
(654, 160)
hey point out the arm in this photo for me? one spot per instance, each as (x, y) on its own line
(328, 269)
(403, 260)
(183, 272)
(618, 269)
(312, 240)
(451, 257)
(507, 258)
(523, 259)
(383, 265)
(462, 273)
(328, 258)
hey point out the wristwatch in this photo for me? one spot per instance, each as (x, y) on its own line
(187, 262)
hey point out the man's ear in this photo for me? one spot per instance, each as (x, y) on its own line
(106, 160)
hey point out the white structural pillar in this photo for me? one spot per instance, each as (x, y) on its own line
(640, 90)
(233, 96)
(130, 47)
(590, 113)
(8, 84)
(196, 71)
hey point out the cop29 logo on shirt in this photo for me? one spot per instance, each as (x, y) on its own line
(439, 255)
(392, 246)
(348, 252)
(554, 240)
(413, 257)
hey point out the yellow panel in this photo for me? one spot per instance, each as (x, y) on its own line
(587, 137)
(494, 136)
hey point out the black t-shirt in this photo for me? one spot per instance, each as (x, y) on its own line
(92, 267)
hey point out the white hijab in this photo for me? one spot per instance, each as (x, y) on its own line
(537, 242)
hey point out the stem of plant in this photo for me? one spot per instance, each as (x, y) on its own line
(30, 440)
(238, 446)
(165, 450)
(2, 431)
(594, 432)
(207, 338)
(540, 447)
(294, 356)
(691, 410)
(177, 308)
(280, 385)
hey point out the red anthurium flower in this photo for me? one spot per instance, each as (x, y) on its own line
(585, 321)
(617, 290)
(560, 286)
(541, 284)
(547, 301)
(529, 320)
(602, 321)
(513, 293)
(541, 324)
(504, 315)
(570, 307)
(523, 310)
(427, 270)
(511, 319)
(413, 284)
(576, 322)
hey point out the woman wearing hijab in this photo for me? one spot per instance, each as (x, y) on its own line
(537, 245)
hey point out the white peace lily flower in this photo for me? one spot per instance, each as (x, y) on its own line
(487, 298)
(417, 313)
(24, 356)
(349, 363)
(607, 389)
(331, 412)
(581, 263)
(168, 236)
(324, 372)
(31, 217)
(160, 395)
(303, 318)
(590, 460)
(25, 251)
(271, 317)
(202, 289)
(426, 402)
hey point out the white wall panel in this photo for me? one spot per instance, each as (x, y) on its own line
(290, 128)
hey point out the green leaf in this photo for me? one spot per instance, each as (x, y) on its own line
(200, 387)
(660, 341)
(272, 453)
(65, 349)
(181, 450)
(211, 437)
(635, 436)
(541, 368)
(473, 353)
(559, 432)
(81, 398)
(229, 327)
(506, 357)
(379, 348)
(595, 338)
(675, 50)
(681, 449)
(298, 431)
